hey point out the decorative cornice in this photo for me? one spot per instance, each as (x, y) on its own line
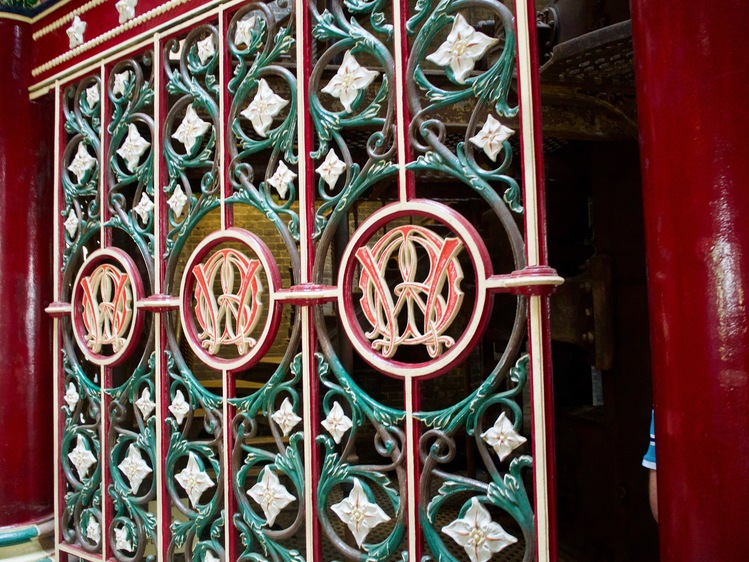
(111, 34)
(58, 23)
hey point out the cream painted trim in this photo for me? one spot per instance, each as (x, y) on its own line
(221, 127)
(15, 17)
(400, 107)
(56, 321)
(66, 18)
(523, 281)
(412, 453)
(530, 180)
(539, 435)
(291, 294)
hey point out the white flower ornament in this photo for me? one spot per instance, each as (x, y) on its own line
(331, 168)
(177, 201)
(134, 468)
(144, 207)
(145, 404)
(491, 136)
(179, 407)
(462, 48)
(264, 107)
(359, 514)
(281, 179)
(191, 129)
(126, 9)
(503, 437)
(92, 95)
(350, 79)
(82, 458)
(206, 49)
(478, 534)
(71, 223)
(271, 495)
(122, 539)
(71, 396)
(93, 529)
(243, 31)
(82, 162)
(194, 480)
(133, 147)
(75, 32)
(337, 423)
(120, 83)
(285, 417)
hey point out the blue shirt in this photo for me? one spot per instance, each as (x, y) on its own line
(648, 461)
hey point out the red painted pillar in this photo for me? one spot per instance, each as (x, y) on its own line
(693, 92)
(26, 214)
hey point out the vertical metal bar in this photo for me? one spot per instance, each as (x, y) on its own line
(160, 382)
(412, 465)
(56, 350)
(539, 344)
(406, 183)
(310, 400)
(105, 373)
(221, 152)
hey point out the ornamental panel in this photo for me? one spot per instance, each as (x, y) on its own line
(293, 289)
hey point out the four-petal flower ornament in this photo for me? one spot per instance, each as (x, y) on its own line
(134, 468)
(359, 514)
(491, 136)
(478, 534)
(177, 201)
(145, 404)
(194, 480)
(133, 147)
(122, 539)
(271, 495)
(126, 9)
(503, 437)
(462, 48)
(191, 129)
(75, 32)
(144, 208)
(82, 458)
(206, 49)
(82, 162)
(92, 95)
(285, 417)
(71, 223)
(337, 423)
(93, 529)
(71, 396)
(350, 79)
(264, 107)
(210, 557)
(179, 407)
(243, 31)
(281, 179)
(119, 87)
(331, 168)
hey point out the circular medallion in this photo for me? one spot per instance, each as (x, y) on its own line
(405, 321)
(228, 311)
(105, 316)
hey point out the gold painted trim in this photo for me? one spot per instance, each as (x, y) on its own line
(58, 23)
(15, 17)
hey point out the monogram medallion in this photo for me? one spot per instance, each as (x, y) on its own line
(227, 299)
(104, 313)
(410, 285)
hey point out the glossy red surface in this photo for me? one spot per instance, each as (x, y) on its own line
(692, 87)
(26, 213)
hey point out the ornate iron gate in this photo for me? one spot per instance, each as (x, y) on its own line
(293, 290)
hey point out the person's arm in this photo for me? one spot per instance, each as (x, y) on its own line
(653, 489)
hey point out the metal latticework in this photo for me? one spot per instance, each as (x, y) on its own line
(293, 290)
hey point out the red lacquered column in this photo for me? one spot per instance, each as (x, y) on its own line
(26, 215)
(693, 92)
